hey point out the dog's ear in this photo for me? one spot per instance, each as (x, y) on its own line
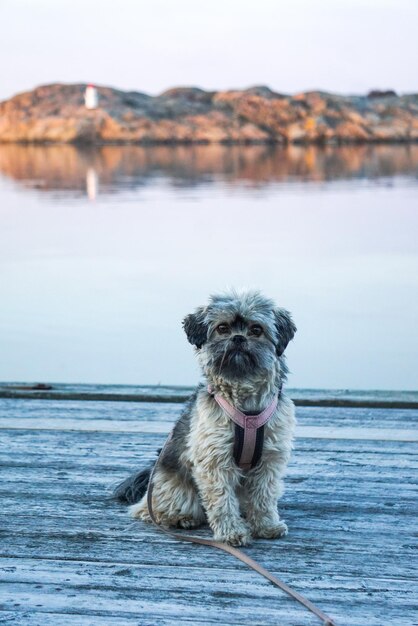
(285, 329)
(196, 328)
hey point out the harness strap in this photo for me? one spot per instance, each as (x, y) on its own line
(239, 447)
(327, 621)
(249, 430)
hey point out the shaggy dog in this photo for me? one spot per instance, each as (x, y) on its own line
(240, 339)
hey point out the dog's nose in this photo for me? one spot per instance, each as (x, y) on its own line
(238, 339)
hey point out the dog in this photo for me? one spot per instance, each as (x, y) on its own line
(240, 339)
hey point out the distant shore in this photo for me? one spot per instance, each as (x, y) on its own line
(187, 115)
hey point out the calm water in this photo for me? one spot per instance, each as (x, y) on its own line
(102, 252)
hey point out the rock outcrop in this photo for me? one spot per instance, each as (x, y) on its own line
(56, 113)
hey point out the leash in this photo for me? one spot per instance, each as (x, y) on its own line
(327, 621)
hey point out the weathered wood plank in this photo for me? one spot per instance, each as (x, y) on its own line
(350, 506)
(23, 617)
(325, 505)
(338, 536)
(160, 393)
(67, 468)
(300, 475)
(214, 594)
(301, 554)
(341, 527)
(329, 496)
(30, 618)
(112, 426)
(158, 412)
(127, 448)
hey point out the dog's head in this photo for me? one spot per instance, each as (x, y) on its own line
(239, 335)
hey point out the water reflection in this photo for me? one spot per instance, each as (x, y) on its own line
(96, 291)
(68, 168)
(92, 183)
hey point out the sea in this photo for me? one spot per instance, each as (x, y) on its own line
(104, 250)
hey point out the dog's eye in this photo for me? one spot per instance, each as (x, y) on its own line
(256, 330)
(223, 329)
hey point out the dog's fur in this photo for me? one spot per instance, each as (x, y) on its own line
(197, 479)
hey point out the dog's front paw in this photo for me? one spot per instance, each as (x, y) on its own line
(267, 525)
(270, 531)
(236, 535)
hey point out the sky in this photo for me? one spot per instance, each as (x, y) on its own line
(344, 46)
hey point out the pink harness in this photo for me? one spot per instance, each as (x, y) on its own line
(249, 431)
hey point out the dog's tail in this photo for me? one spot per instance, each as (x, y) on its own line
(133, 488)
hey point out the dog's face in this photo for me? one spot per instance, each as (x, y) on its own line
(239, 336)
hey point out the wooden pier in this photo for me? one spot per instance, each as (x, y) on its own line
(71, 556)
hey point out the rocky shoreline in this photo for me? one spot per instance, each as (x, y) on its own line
(57, 114)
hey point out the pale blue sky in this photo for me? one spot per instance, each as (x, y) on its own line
(338, 45)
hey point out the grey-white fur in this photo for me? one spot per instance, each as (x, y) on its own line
(197, 479)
